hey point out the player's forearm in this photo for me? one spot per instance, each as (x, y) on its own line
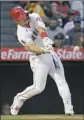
(40, 29)
(35, 49)
(42, 32)
(46, 41)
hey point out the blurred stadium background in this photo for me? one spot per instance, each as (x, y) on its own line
(65, 26)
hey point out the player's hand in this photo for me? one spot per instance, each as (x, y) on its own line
(48, 43)
(45, 50)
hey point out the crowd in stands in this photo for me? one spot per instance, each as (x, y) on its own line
(64, 20)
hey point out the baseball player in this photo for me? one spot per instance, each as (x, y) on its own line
(31, 33)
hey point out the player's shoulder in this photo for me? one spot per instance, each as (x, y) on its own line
(33, 15)
(20, 29)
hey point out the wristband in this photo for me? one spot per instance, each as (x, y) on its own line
(43, 35)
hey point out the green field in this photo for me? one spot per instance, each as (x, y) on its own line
(42, 117)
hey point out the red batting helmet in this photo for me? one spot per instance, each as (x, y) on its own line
(18, 13)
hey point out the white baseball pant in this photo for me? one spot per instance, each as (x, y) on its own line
(41, 66)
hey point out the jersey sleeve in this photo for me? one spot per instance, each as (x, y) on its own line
(39, 21)
(24, 39)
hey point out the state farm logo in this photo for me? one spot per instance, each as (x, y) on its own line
(70, 55)
(12, 54)
(21, 54)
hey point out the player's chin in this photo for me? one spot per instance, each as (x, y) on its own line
(25, 25)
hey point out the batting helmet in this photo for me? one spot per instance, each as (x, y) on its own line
(18, 13)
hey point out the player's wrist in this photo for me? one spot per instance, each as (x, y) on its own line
(44, 50)
(43, 35)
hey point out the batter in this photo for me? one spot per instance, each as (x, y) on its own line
(31, 33)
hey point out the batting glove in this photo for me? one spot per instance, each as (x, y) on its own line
(48, 43)
(45, 50)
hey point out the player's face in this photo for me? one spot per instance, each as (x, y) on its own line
(23, 22)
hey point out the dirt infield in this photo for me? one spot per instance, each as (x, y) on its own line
(42, 117)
